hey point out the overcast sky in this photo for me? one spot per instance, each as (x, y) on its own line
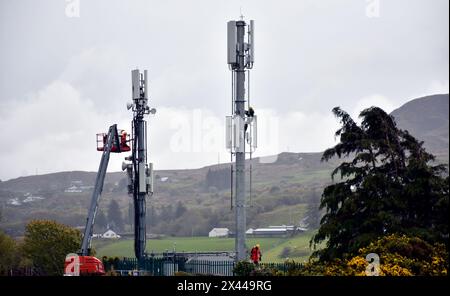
(65, 73)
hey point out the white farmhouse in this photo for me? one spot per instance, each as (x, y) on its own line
(110, 234)
(219, 232)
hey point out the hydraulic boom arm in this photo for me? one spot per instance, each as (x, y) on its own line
(111, 140)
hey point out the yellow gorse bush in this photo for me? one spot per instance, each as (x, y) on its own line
(399, 255)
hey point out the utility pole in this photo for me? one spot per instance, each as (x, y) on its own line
(242, 124)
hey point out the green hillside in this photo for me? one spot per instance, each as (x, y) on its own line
(191, 202)
(432, 126)
(272, 248)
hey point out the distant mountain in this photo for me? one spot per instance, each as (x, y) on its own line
(283, 186)
(427, 119)
(281, 192)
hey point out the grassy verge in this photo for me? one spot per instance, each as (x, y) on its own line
(296, 248)
(273, 248)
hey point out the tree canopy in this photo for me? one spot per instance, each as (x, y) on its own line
(47, 243)
(115, 218)
(101, 222)
(388, 184)
(8, 253)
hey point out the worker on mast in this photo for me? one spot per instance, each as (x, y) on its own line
(255, 254)
(250, 113)
(123, 141)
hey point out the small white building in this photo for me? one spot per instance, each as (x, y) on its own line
(219, 232)
(110, 234)
(275, 231)
(270, 232)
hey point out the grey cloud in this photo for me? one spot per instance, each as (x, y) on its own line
(310, 56)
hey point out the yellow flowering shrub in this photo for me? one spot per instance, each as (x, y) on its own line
(399, 255)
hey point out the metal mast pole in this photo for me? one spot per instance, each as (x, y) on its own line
(241, 220)
(241, 125)
(140, 196)
(140, 174)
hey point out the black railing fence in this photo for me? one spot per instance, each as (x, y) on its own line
(169, 266)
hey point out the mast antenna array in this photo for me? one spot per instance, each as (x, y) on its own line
(241, 126)
(139, 172)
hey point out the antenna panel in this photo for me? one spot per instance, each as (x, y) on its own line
(238, 134)
(232, 42)
(145, 85)
(135, 84)
(142, 181)
(252, 41)
(234, 134)
(228, 133)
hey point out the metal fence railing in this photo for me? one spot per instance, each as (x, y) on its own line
(169, 266)
(209, 267)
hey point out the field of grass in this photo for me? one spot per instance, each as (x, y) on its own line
(282, 215)
(298, 246)
(271, 247)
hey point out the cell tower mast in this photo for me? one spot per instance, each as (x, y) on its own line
(241, 126)
(140, 174)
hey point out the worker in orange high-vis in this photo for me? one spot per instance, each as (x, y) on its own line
(255, 254)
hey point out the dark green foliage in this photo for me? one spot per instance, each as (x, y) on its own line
(243, 268)
(152, 218)
(286, 252)
(180, 209)
(219, 178)
(167, 213)
(101, 222)
(388, 185)
(130, 220)
(313, 212)
(47, 243)
(262, 271)
(8, 254)
(121, 186)
(274, 190)
(214, 219)
(115, 219)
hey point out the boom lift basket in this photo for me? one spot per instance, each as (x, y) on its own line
(124, 139)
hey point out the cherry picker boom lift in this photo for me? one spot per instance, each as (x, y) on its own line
(90, 265)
